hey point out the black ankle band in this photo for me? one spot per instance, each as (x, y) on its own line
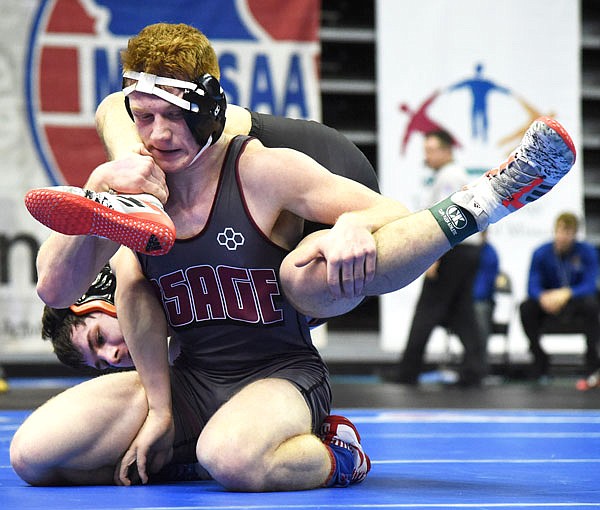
(456, 222)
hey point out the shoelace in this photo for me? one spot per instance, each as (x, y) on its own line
(98, 198)
(513, 178)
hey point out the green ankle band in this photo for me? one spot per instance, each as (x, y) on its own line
(456, 222)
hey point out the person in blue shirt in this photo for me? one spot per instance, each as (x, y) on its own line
(562, 288)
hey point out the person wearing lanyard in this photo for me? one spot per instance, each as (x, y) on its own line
(562, 289)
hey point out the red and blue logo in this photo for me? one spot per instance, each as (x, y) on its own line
(268, 53)
(470, 98)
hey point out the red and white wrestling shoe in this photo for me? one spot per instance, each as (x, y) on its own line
(339, 432)
(136, 221)
(545, 155)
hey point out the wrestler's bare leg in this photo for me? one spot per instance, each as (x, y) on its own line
(261, 440)
(79, 436)
(405, 249)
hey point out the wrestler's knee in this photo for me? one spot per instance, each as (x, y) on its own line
(26, 458)
(66, 430)
(237, 467)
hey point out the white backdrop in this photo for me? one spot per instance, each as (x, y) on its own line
(20, 308)
(481, 69)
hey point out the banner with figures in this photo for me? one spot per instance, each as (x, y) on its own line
(482, 70)
(59, 58)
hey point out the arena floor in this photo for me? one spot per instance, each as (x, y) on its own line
(504, 445)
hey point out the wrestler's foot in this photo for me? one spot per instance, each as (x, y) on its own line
(136, 221)
(545, 155)
(340, 434)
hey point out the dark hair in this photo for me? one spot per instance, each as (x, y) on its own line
(57, 326)
(445, 138)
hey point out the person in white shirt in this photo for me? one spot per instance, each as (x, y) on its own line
(447, 294)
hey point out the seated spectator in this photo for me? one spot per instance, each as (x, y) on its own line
(562, 292)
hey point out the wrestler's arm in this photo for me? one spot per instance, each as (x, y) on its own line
(144, 325)
(67, 265)
(315, 194)
(115, 128)
(131, 168)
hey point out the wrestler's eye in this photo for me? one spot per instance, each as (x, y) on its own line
(175, 114)
(141, 116)
(100, 340)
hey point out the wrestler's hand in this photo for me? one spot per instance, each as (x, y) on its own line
(133, 174)
(351, 255)
(150, 450)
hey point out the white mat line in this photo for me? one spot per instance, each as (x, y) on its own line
(487, 461)
(371, 505)
(463, 418)
(484, 435)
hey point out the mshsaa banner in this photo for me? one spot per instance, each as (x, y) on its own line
(482, 70)
(59, 58)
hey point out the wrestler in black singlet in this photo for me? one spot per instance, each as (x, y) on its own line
(223, 300)
(325, 145)
(336, 153)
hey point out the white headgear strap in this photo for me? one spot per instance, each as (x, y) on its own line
(148, 84)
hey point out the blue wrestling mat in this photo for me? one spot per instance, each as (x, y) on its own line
(420, 459)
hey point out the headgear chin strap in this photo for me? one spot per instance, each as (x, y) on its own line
(204, 102)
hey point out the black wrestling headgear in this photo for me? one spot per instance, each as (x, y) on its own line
(203, 100)
(100, 297)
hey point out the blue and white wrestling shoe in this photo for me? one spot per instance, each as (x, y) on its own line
(350, 464)
(545, 155)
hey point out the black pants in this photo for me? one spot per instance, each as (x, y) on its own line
(448, 300)
(579, 314)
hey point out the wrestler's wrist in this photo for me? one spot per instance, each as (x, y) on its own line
(98, 180)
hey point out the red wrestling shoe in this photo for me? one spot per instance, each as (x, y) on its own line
(136, 221)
